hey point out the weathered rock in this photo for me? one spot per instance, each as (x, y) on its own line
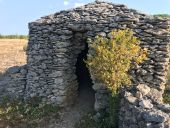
(164, 107)
(155, 116)
(97, 116)
(160, 125)
(146, 104)
(13, 70)
(99, 86)
(144, 89)
(139, 95)
(155, 95)
(132, 100)
(13, 83)
(101, 101)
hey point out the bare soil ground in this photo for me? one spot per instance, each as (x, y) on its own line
(71, 115)
(12, 53)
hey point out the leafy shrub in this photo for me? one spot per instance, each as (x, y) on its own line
(112, 58)
(166, 96)
(16, 112)
(109, 61)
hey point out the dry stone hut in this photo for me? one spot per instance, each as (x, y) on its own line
(57, 46)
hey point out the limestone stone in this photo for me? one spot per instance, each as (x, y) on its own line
(101, 101)
(139, 95)
(144, 89)
(146, 104)
(156, 94)
(155, 116)
(160, 125)
(132, 100)
(13, 70)
(164, 107)
(99, 86)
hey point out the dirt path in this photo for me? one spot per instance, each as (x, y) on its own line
(85, 100)
(83, 105)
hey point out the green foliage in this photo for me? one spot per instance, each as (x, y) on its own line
(112, 58)
(89, 122)
(16, 112)
(113, 111)
(168, 79)
(166, 96)
(107, 120)
(163, 15)
(13, 36)
(109, 61)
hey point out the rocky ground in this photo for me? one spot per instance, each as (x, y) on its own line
(71, 115)
(68, 116)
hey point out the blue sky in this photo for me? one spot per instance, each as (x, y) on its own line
(15, 14)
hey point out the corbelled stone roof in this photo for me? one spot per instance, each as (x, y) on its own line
(97, 8)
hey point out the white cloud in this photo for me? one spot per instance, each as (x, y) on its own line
(78, 4)
(66, 3)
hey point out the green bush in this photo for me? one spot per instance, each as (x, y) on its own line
(15, 112)
(166, 96)
(112, 58)
(109, 61)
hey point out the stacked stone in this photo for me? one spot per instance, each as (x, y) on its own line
(144, 108)
(13, 83)
(56, 41)
(139, 110)
(50, 59)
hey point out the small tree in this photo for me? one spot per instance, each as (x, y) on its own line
(112, 58)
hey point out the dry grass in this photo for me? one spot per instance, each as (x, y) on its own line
(12, 53)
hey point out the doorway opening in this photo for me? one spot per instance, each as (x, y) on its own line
(86, 94)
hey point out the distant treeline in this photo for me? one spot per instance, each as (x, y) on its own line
(163, 15)
(13, 36)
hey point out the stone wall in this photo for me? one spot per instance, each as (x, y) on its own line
(56, 41)
(13, 83)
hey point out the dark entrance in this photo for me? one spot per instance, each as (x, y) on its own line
(85, 91)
